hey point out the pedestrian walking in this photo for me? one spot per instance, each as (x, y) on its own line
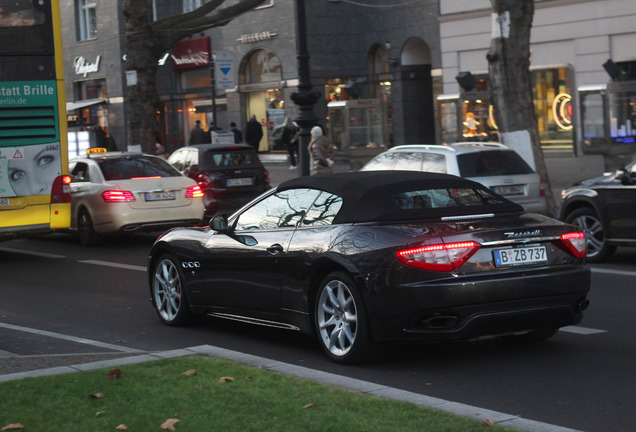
(238, 135)
(197, 135)
(290, 140)
(253, 132)
(321, 152)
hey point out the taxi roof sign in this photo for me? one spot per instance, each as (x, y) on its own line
(96, 150)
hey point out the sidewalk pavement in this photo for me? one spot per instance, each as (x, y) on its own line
(476, 413)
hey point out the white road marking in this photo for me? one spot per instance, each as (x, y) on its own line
(581, 330)
(70, 338)
(112, 264)
(616, 272)
(33, 253)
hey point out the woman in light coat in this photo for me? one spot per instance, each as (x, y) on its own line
(321, 152)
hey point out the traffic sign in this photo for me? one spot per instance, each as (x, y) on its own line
(225, 70)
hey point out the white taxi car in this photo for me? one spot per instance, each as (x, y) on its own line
(120, 192)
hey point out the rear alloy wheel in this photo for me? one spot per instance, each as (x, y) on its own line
(86, 231)
(597, 248)
(340, 320)
(168, 295)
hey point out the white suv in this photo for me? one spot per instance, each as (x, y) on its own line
(491, 164)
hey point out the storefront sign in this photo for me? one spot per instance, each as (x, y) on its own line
(256, 37)
(84, 67)
(191, 53)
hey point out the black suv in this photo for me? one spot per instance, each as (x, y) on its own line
(229, 175)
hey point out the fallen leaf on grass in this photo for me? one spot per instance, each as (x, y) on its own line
(98, 413)
(115, 373)
(489, 422)
(226, 379)
(122, 427)
(190, 372)
(12, 426)
(169, 424)
(96, 396)
(309, 405)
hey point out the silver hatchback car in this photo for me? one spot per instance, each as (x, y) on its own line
(492, 164)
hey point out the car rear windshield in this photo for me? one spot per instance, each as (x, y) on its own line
(444, 198)
(492, 163)
(136, 167)
(214, 159)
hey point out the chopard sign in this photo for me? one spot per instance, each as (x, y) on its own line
(521, 234)
(84, 67)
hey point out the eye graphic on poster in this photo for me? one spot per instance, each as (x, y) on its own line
(29, 170)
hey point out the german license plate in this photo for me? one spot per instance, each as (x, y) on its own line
(518, 256)
(509, 190)
(159, 196)
(245, 181)
(5, 202)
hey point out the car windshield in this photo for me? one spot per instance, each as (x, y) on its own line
(492, 163)
(136, 167)
(211, 159)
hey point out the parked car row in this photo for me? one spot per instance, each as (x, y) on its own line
(122, 192)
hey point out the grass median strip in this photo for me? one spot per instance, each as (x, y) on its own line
(200, 393)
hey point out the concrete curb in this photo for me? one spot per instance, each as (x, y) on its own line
(379, 390)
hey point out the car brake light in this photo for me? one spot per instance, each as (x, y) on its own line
(194, 192)
(575, 243)
(61, 189)
(440, 256)
(117, 196)
(541, 187)
(267, 179)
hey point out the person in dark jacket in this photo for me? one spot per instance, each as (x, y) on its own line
(238, 135)
(253, 132)
(197, 135)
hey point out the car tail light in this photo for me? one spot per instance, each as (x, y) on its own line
(61, 189)
(117, 196)
(575, 243)
(267, 179)
(194, 192)
(541, 187)
(440, 256)
(204, 180)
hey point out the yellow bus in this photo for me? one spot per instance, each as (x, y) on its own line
(34, 182)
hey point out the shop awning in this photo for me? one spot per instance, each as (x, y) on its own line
(72, 106)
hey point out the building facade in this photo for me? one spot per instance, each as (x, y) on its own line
(583, 64)
(376, 66)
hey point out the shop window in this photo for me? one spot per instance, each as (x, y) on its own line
(263, 66)
(622, 107)
(90, 89)
(87, 19)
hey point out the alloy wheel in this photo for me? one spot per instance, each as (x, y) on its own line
(337, 318)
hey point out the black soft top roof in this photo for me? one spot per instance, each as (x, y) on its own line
(368, 196)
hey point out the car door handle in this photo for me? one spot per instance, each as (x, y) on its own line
(275, 249)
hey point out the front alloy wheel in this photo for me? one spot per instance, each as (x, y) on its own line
(340, 321)
(168, 295)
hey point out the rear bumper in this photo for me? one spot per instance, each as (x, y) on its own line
(468, 309)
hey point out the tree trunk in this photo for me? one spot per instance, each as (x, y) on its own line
(145, 43)
(141, 66)
(511, 86)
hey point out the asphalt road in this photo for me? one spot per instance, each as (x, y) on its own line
(60, 301)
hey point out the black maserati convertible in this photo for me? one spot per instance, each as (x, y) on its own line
(365, 259)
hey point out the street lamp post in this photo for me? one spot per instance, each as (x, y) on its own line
(304, 98)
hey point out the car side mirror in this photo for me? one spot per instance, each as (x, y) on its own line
(623, 176)
(219, 223)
